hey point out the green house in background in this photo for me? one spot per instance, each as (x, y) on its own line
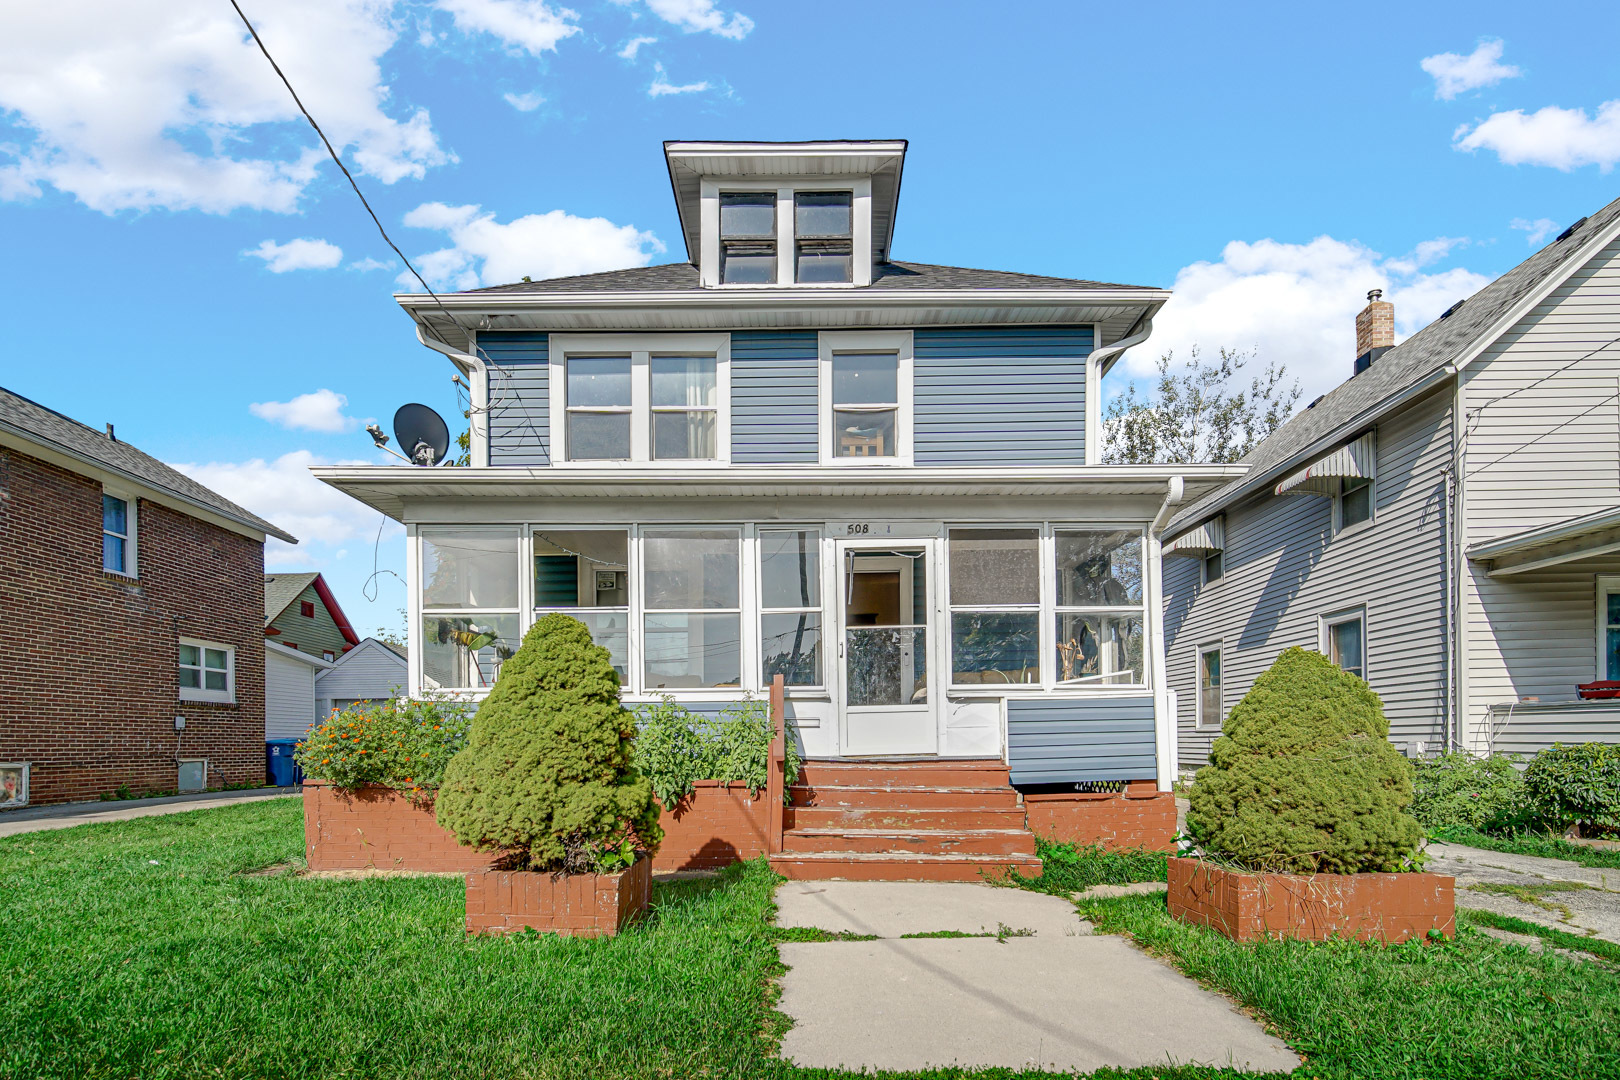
(301, 613)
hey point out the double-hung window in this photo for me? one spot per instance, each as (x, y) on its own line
(748, 237)
(995, 591)
(1355, 502)
(692, 608)
(866, 397)
(790, 606)
(1608, 627)
(206, 671)
(641, 398)
(824, 234)
(470, 608)
(1211, 710)
(1099, 621)
(585, 573)
(117, 535)
(1344, 640)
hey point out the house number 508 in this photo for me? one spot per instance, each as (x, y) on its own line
(857, 528)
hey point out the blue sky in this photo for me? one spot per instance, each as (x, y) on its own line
(1269, 162)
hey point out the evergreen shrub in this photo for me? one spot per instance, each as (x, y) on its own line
(1303, 778)
(549, 774)
(1461, 790)
(1576, 785)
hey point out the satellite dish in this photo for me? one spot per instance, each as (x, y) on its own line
(421, 433)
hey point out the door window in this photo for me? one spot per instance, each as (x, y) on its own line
(885, 627)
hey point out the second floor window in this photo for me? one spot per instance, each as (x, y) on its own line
(748, 237)
(641, 403)
(117, 536)
(866, 404)
(823, 230)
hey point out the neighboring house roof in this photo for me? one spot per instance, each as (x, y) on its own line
(48, 428)
(280, 590)
(678, 277)
(1434, 351)
(397, 650)
(276, 648)
(371, 642)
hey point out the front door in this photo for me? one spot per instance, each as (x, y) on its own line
(885, 594)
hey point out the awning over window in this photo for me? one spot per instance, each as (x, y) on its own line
(1201, 542)
(1353, 461)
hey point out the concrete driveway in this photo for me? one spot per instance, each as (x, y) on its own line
(1048, 994)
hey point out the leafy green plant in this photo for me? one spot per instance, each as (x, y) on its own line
(1576, 785)
(1303, 778)
(676, 747)
(1069, 868)
(1460, 789)
(549, 773)
(404, 744)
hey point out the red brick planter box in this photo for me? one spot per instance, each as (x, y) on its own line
(379, 828)
(1311, 907)
(575, 905)
(716, 825)
(1139, 817)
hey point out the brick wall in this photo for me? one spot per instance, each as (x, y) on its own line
(379, 828)
(88, 683)
(1139, 817)
(715, 826)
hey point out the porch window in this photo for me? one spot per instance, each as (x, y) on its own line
(1098, 611)
(692, 598)
(206, 671)
(748, 237)
(585, 573)
(1344, 641)
(1609, 628)
(1211, 708)
(823, 226)
(790, 606)
(995, 601)
(469, 604)
(866, 405)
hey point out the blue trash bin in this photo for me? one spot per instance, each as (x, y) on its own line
(280, 767)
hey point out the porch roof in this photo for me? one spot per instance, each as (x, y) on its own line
(387, 488)
(1551, 545)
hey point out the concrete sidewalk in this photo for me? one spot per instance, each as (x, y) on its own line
(1553, 892)
(66, 815)
(1054, 997)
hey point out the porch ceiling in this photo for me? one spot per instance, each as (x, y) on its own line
(1557, 544)
(388, 488)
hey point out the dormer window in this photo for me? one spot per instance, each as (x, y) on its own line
(748, 237)
(823, 226)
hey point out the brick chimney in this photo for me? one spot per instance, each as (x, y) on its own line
(1375, 330)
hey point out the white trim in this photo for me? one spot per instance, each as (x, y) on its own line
(22, 792)
(1339, 527)
(898, 342)
(413, 612)
(201, 693)
(818, 535)
(639, 347)
(710, 189)
(1606, 584)
(132, 542)
(1325, 624)
(639, 630)
(532, 609)
(1217, 647)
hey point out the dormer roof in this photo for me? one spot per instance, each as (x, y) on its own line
(690, 163)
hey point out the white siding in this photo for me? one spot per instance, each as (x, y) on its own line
(289, 697)
(368, 672)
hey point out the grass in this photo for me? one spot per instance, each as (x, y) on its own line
(1534, 895)
(1547, 847)
(1070, 868)
(1563, 939)
(1001, 933)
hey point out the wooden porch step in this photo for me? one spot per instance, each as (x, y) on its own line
(930, 772)
(856, 817)
(909, 842)
(896, 797)
(884, 866)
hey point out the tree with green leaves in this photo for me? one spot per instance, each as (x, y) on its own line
(1198, 411)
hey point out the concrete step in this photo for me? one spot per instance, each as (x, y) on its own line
(854, 817)
(828, 866)
(910, 842)
(922, 797)
(930, 772)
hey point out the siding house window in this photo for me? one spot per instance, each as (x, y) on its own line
(641, 397)
(823, 227)
(1345, 641)
(206, 671)
(866, 405)
(306, 608)
(599, 408)
(790, 606)
(995, 590)
(1099, 613)
(1214, 567)
(748, 237)
(585, 573)
(1355, 504)
(685, 407)
(469, 604)
(1211, 712)
(117, 535)
(1609, 627)
(692, 601)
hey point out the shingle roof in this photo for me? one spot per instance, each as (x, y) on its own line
(677, 277)
(281, 590)
(1359, 400)
(51, 429)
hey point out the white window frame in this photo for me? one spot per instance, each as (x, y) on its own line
(898, 342)
(820, 612)
(422, 612)
(534, 610)
(1200, 721)
(640, 348)
(1606, 584)
(1042, 609)
(202, 693)
(747, 553)
(1054, 609)
(132, 538)
(1324, 639)
(24, 768)
(1203, 569)
(1338, 509)
(860, 228)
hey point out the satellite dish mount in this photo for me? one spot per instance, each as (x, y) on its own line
(422, 435)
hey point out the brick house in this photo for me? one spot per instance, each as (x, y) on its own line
(132, 652)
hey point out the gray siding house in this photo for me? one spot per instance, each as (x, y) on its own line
(1444, 523)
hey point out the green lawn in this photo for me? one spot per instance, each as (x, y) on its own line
(151, 948)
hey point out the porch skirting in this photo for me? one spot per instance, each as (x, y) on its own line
(716, 825)
(1141, 816)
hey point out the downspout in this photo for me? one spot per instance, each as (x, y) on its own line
(1158, 678)
(1100, 361)
(478, 376)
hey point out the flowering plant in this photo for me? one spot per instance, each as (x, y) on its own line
(404, 743)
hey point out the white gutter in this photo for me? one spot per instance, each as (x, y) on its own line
(784, 297)
(1106, 356)
(477, 373)
(1097, 367)
(1164, 726)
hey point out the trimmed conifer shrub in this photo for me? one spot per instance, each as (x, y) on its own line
(1303, 778)
(548, 774)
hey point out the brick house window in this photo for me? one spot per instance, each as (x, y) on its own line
(117, 535)
(306, 608)
(206, 671)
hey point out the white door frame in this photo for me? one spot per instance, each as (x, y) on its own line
(923, 741)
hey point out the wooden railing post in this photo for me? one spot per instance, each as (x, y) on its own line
(776, 778)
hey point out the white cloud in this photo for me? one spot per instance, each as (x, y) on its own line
(633, 46)
(1535, 231)
(304, 254)
(525, 102)
(1428, 251)
(321, 410)
(1296, 304)
(168, 104)
(1561, 138)
(368, 264)
(283, 491)
(662, 87)
(530, 25)
(696, 16)
(553, 244)
(1454, 74)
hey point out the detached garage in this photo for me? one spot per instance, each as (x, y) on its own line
(289, 691)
